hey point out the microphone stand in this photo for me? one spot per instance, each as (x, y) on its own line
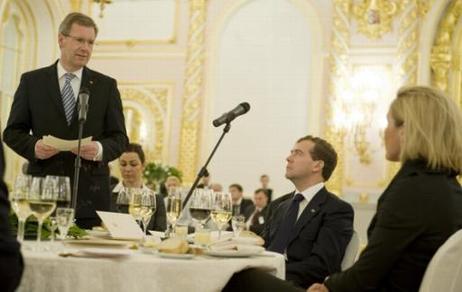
(77, 164)
(203, 170)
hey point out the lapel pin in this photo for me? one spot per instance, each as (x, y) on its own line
(313, 210)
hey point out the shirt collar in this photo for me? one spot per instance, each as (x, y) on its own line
(310, 192)
(62, 71)
(120, 187)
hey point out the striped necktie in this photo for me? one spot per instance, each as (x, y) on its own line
(68, 97)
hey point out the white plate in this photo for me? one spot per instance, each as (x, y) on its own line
(235, 253)
(105, 252)
(97, 242)
(98, 233)
(184, 256)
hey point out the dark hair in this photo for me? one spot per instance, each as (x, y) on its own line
(324, 151)
(264, 175)
(237, 186)
(133, 147)
(80, 19)
(264, 191)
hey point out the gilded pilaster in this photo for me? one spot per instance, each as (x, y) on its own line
(338, 64)
(193, 91)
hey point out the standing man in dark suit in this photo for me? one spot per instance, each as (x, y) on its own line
(240, 204)
(313, 227)
(11, 264)
(45, 103)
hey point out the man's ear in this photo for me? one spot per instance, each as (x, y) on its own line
(319, 165)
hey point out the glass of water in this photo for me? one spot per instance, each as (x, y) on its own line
(64, 218)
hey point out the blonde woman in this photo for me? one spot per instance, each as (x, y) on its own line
(419, 210)
(422, 206)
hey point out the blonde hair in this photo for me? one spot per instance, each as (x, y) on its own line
(432, 127)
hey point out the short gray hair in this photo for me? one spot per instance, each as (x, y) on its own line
(80, 19)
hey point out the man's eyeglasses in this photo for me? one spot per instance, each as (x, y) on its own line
(81, 41)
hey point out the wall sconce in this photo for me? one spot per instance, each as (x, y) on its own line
(375, 17)
(360, 107)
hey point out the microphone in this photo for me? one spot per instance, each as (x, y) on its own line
(231, 115)
(84, 95)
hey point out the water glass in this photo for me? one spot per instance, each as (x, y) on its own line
(238, 224)
(64, 220)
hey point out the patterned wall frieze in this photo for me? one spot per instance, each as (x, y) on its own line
(443, 50)
(193, 91)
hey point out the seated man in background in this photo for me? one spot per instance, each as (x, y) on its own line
(311, 227)
(240, 205)
(11, 264)
(257, 219)
(131, 164)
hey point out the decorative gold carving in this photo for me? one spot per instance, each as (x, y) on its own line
(193, 91)
(338, 63)
(144, 103)
(444, 49)
(375, 17)
(76, 5)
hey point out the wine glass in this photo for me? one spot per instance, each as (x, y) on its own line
(123, 199)
(238, 224)
(148, 207)
(42, 201)
(174, 204)
(20, 203)
(134, 205)
(222, 210)
(201, 206)
(63, 191)
(64, 218)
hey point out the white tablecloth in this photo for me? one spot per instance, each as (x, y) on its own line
(46, 271)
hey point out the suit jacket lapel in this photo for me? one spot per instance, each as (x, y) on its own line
(311, 210)
(55, 92)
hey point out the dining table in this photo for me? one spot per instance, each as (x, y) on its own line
(58, 266)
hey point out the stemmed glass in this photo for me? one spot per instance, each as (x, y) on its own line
(123, 199)
(64, 214)
(148, 207)
(201, 206)
(222, 210)
(20, 202)
(134, 205)
(174, 206)
(42, 201)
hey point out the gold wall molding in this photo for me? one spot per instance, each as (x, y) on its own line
(193, 91)
(375, 17)
(444, 49)
(148, 107)
(339, 62)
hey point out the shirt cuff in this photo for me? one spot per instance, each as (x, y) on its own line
(99, 155)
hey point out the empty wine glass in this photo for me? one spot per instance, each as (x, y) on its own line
(63, 191)
(222, 210)
(64, 219)
(201, 206)
(123, 199)
(20, 202)
(42, 201)
(238, 224)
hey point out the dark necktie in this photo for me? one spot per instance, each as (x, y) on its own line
(281, 239)
(68, 97)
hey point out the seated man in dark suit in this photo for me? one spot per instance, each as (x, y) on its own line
(240, 204)
(311, 226)
(257, 219)
(11, 265)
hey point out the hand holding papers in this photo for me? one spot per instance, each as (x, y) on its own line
(64, 145)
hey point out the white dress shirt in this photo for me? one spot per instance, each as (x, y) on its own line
(308, 194)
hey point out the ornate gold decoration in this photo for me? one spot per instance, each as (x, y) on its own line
(153, 100)
(102, 5)
(444, 49)
(375, 17)
(193, 91)
(338, 63)
(76, 5)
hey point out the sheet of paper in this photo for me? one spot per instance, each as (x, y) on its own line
(64, 145)
(121, 225)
